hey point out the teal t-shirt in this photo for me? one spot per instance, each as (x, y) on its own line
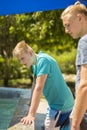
(56, 91)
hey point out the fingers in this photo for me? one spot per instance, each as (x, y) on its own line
(27, 121)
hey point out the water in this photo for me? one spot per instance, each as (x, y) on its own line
(9, 99)
(7, 109)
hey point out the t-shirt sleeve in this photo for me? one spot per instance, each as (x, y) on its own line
(43, 66)
(83, 52)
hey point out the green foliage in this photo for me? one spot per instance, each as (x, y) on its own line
(11, 69)
(17, 70)
(1, 66)
(20, 83)
(42, 31)
(66, 61)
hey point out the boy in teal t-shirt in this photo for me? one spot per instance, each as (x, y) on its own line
(55, 89)
(50, 82)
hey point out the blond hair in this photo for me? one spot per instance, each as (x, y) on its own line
(74, 9)
(21, 48)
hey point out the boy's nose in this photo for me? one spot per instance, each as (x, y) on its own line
(67, 30)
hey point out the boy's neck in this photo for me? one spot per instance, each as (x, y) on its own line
(34, 58)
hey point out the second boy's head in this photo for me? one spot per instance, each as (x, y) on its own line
(74, 19)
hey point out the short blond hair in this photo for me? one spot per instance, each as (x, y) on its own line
(74, 9)
(21, 48)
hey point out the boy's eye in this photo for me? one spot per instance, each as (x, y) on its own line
(67, 25)
(22, 58)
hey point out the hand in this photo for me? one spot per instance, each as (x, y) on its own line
(27, 120)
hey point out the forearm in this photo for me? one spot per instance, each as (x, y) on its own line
(39, 85)
(32, 89)
(35, 101)
(40, 81)
(80, 106)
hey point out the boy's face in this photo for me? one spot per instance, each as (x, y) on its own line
(72, 25)
(25, 59)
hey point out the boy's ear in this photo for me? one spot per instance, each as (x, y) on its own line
(30, 52)
(79, 16)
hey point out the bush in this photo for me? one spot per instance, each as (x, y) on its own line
(66, 61)
(1, 66)
(11, 69)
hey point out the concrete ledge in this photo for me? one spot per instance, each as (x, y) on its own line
(19, 126)
(21, 110)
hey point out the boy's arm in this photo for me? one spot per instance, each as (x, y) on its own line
(32, 89)
(40, 81)
(81, 100)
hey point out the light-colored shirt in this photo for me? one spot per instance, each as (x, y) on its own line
(80, 60)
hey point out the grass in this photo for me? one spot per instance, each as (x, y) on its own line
(18, 83)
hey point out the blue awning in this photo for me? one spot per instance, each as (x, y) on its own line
(8, 7)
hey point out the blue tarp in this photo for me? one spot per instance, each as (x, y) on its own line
(8, 7)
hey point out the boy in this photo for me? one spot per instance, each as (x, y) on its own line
(74, 20)
(50, 82)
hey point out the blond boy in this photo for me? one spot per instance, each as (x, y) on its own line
(50, 82)
(74, 20)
